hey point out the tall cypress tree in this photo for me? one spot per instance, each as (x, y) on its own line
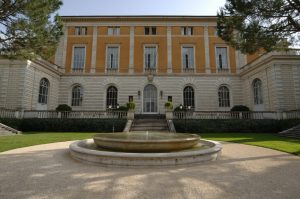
(250, 25)
(29, 28)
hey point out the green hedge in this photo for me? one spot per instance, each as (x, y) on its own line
(234, 126)
(66, 125)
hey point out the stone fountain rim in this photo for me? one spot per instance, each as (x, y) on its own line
(214, 147)
(193, 137)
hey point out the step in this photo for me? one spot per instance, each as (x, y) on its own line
(149, 120)
(149, 116)
(150, 124)
(149, 129)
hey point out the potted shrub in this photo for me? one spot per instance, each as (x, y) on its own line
(169, 110)
(169, 106)
(130, 113)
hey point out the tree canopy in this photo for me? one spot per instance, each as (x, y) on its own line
(29, 28)
(250, 25)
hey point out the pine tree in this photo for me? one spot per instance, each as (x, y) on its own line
(29, 28)
(250, 25)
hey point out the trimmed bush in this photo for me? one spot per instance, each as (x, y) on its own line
(177, 109)
(234, 126)
(123, 108)
(66, 125)
(63, 108)
(240, 108)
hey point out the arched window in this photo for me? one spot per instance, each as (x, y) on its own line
(43, 91)
(77, 96)
(257, 91)
(188, 97)
(112, 97)
(224, 97)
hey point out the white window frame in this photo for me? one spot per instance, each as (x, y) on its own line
(150, 45)
(77, 30)
(73, 50)
(223, 99)
(44, 96)
(216, 59)
(194, 96)
(81, 32)
(150, 30)
(191, 28)
(112, 45)
(85, 32)
(81, 96)
(256, 96)
(194, 51)
(113, 30)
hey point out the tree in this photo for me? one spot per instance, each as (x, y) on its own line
(250, 25)
(29, 28)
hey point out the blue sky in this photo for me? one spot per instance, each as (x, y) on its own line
(140, 7)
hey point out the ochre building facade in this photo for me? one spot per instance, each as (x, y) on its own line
(103, 62)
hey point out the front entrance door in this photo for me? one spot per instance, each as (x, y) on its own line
(150, 99)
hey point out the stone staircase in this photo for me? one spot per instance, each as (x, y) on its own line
(6, 130)
(293, 132)
(150, 123)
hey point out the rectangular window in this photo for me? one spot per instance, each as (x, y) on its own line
(130, 99)
(80, 30)
(150, 57)
(78, 58)
(150, 30)
(84, 30)
(187, 30)
(112, 57)
(117, 31)
(113, 31)
(77, 30)
(188, 57)
(221, 58)
(110, 31)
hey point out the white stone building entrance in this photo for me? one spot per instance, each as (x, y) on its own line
(150, 99)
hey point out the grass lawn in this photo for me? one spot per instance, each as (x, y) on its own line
(266, 140)
(272, 141)
(18, 141)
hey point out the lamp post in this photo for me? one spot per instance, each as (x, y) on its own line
(113, 115)
(185, 113)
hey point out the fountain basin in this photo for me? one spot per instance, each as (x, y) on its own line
(146, 142)
(86, 151)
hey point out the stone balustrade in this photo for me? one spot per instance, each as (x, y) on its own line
(7, 113)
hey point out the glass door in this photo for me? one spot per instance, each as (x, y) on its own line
(150, 99)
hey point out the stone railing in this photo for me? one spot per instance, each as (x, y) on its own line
(223, 70)
(7, 113)
(112, 70)
(257, 115)
(4, 113)
(188, 70)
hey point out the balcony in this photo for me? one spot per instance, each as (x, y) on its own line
(188, 70)
(150, 70)
(112, 70)
(77, 70)
(223, 70)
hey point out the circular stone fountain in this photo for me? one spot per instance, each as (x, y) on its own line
(145, 149)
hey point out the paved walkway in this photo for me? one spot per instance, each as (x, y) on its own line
(47, 171)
